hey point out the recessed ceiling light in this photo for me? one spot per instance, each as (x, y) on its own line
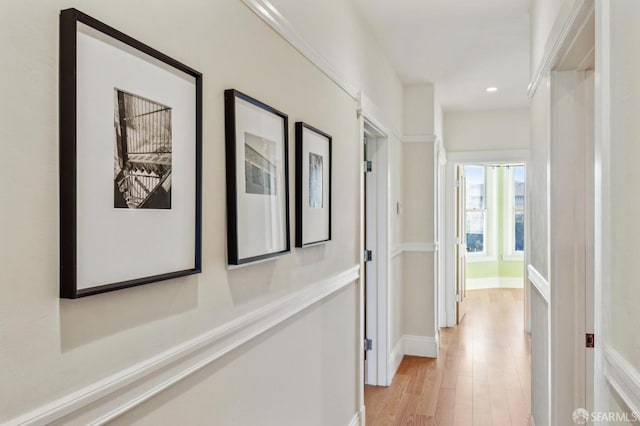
(492, 89)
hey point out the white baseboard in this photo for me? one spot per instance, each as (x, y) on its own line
(395, 358)
(495, 282)
(414, 346)
(420, 346)
(623, 378)
(111, 397)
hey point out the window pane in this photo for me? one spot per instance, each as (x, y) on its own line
(475, 187)
(518, 187)
(519, 231)
(475, 231)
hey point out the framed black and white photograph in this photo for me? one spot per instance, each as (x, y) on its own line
(313, 186)
(130, 161)
(257, 179)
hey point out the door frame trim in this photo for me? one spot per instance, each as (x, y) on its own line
(382, 254)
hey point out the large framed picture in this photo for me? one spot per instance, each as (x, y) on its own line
(313, 186)
(130, 161)
(257, 179)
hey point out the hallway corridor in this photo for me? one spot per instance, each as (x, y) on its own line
(481, 377)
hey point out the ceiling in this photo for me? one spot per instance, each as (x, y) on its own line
(462, 46)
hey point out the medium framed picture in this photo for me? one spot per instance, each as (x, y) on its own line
(257, 179)
(313, 186)
(130, 161)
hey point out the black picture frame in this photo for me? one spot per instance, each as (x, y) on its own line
(239, 107)
(303, 181)
(72, 178)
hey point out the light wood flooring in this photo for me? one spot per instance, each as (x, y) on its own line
(481, 376)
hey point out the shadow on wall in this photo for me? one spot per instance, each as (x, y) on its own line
(93, 318)
(248, 283)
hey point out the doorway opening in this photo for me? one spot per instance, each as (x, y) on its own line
(490, 225)
(486, 222)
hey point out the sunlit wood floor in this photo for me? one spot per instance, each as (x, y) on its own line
(481, 377)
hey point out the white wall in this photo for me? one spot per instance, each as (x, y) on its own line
(283, 385)
(51, 347)
(420, 118)
(419, 288)
(621, 168)
(486, 130)
(338, 33)
(418, 110)
(397, 274)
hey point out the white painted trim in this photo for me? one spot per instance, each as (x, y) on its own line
(269, 14)
(488, 157)
(420, 247)
(494, 282)
(111, 397)
(355, 421)
(358, 418)
(363, 415)
(395, 358)
(378, 295)
(602, 211)
(560, 39)
(420, 346)
(414, 248)
(623, 378)
(374, 117)
(539, 283)
(419, 139)
(442, 152)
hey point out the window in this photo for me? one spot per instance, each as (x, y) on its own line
(476, 209)
(515, 211)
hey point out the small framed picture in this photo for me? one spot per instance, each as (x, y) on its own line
(313, 186)
(257, 179)
(130, 161)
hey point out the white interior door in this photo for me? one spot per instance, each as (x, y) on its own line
(461, 245)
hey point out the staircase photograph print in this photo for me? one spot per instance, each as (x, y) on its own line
(142, 153)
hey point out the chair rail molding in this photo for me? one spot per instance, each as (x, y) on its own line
(538, 281)
(414, 248)
(112, 396)
(623, 378)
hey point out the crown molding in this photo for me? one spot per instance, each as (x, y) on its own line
(270, 15)
(560, 40)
